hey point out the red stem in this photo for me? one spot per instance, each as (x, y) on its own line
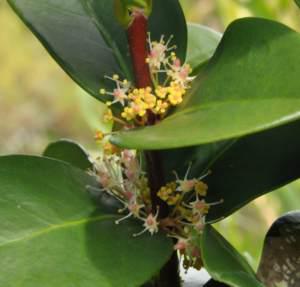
(137, 38)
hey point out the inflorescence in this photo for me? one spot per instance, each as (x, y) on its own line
(119, 172)
(170, 79)
(120, 175)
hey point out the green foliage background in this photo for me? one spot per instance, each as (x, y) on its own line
(39, 103)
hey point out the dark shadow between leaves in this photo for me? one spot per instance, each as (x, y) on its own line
(253, 166)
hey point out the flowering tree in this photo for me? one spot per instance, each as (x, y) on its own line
(200, 125)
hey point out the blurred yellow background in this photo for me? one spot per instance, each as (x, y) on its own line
(40, 103)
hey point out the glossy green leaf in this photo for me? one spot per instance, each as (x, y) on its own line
(72, 37)
(253, 166)
(202, 43)
(241, 170)
(167, 19)
(251, 84)
(69, 151)
(200, 157)
(51, 235)
(224, 263)
(92, 112)
(86, 40)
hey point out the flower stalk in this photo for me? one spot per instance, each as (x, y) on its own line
(137, 39)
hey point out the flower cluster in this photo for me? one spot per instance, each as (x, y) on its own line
(119, 174)
(188, 209)
(170, 79)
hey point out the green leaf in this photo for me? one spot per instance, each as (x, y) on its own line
(200, 157)
(69, 151)
(252, 166)
(167, 19)
(251, 84)
(202, 43)
(297, 2)
(241, 170)
(224, 263)
(50, 233)
(92, 112)
(72, 37)
(86, 40)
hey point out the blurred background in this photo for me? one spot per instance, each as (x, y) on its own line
(39, 103)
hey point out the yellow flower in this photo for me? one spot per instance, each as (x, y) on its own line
(186, 213)
(173, 199)
(173, 56)
(108, 116)
(164, 193)
(170, 79)
(149, 98)
(110, 149)
(139, 108)
(99, 136)
(176, 93)
(161, 107)
(102, 91)
(161, 92)
(167, 193)
(128, 114)
(201, 188)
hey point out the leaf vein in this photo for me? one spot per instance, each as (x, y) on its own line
(54, 227)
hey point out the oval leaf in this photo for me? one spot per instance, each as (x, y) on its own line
(70, 152)
(224, 263)
(69, 34)
(50, 233)
(251, 84)
(202, 43)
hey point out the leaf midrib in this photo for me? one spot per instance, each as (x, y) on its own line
(55, 227)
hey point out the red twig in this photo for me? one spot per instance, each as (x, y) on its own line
(137, 38)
